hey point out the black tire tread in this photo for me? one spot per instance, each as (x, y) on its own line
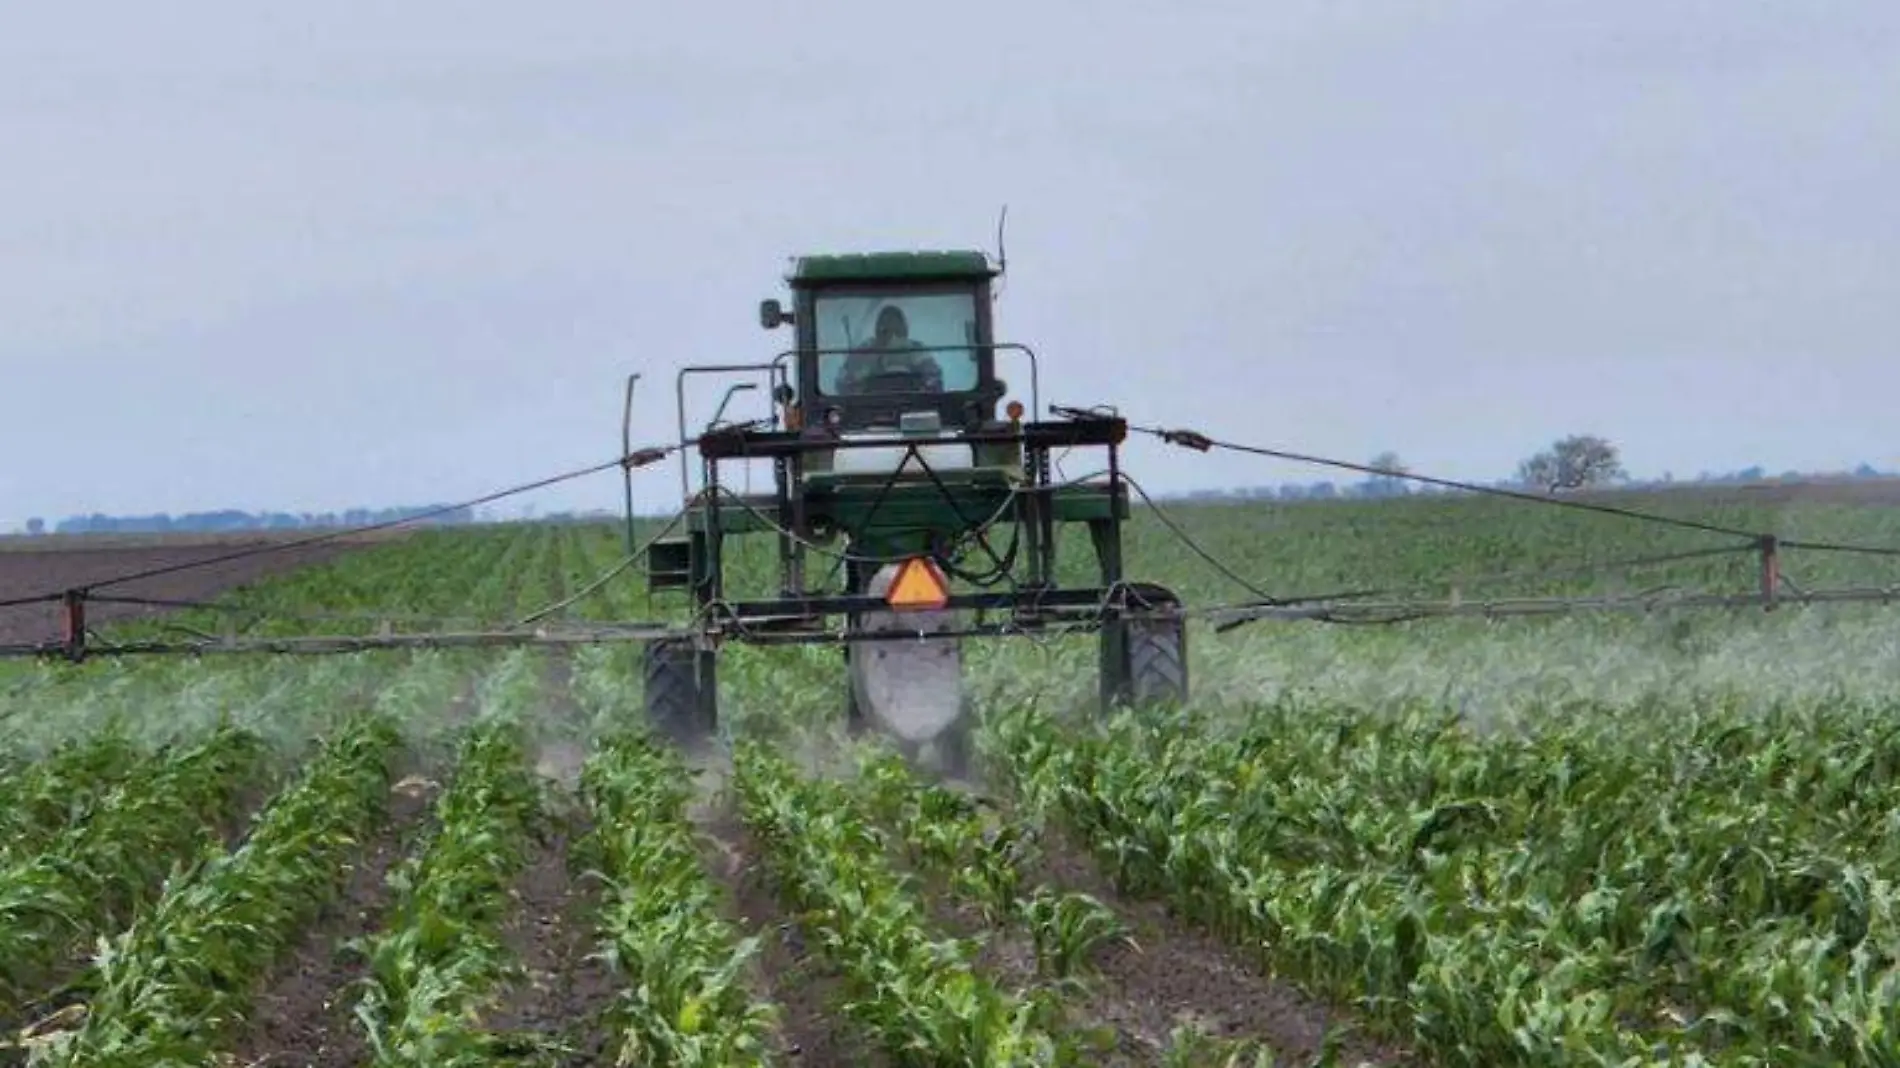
(671, 687)
(1157, 661)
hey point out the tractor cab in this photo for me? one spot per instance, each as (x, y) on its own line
(893, 342)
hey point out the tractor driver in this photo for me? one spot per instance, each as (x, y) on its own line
(891, 351)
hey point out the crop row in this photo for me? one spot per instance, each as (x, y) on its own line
(917, 993)
(984, 856)
(179, 980)
(440, 959)
(1597, 891)
(92, 876)
(43, 798)
(681, 966)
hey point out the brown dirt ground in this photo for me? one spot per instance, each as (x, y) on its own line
(565, 993)
(305, 1015)
(29, 572)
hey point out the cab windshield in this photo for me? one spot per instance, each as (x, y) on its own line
(896, 342)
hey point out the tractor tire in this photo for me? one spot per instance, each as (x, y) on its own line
(1157, 662)
(672, 689)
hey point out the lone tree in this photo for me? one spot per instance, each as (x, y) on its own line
(1579, 461)
(1387, 483)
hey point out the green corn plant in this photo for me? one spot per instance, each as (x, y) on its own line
(682, 967)
(440, 960)
(179, 979)
(915, 993)
(1587, 890)
(43, 798)
(1192, 1047)
(1067, 928)
(98, 872)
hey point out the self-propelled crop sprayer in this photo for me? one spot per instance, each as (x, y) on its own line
(911, 505)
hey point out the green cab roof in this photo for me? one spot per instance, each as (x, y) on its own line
(894, 266)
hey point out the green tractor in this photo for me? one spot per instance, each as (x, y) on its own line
(912, 507)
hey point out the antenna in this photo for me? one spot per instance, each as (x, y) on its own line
(1002, 254)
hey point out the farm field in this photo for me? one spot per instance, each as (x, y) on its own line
(29, 566)
(1647, 838)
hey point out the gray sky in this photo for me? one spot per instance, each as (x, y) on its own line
(365, 253)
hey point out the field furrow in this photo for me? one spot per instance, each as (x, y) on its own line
(304, 1011)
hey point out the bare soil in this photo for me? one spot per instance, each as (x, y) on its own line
(560, 1005)
(31, 572)
(305, 1016)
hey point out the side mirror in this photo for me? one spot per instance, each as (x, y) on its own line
(773, 315)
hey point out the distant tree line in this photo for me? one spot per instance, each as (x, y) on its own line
(1575, 462)
(1578, 461)
(229, 520)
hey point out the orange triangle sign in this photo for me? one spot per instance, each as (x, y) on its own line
(918, 585)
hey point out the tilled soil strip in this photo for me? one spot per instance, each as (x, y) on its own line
(566, 992)
(1180, 975)
(305, 1016)
(563, 999)
(812, 1028)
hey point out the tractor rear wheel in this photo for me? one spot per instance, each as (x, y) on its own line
(1157, 661)
(1144, 658)
(671, 676)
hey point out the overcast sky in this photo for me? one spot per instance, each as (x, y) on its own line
(371, 253)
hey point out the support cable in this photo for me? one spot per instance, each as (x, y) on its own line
(1191, 439)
